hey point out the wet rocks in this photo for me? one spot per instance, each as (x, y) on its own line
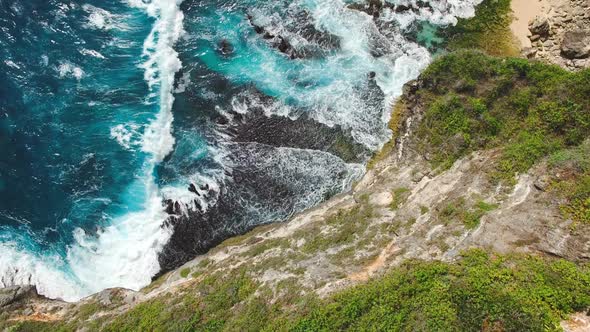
(300, 42)
(225, 48)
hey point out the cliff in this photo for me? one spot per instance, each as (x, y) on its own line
(476, 216)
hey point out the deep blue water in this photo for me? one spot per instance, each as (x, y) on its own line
(110, 108)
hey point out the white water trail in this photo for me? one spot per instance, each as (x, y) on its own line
(124, 254)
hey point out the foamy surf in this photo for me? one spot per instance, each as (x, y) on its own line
(125, 253)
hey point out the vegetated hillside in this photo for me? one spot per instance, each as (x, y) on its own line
(528, 110)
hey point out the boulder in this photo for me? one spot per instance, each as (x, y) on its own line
(14, 294)
(576, 44)
(540, 26)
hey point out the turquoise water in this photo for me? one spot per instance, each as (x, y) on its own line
(137, 134)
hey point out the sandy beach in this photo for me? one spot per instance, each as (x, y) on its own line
(524, 11)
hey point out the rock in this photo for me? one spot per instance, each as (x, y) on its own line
(104, 297)
(129, 298)
(539, 26)
(225, 47)
(418, 176)
(28, 312)
(529, 52)
(542, 182)
(381, 199)
(534, 38)
(411, 87)
(14, 294)
(193, 189)
(576, 44)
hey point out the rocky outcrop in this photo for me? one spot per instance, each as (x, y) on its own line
(561, 34)
(576, 44)
(15, 294)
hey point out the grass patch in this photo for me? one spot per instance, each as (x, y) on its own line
(424, 210)
(469, 216)
(343, 228)
(400, 196)
(517, 293)
(479, 291)
(185, 272)
(574, 184)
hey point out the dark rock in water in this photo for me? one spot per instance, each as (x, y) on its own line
(169, 206)
(225, 48)
(302, 133)
(402, 8)
(272, 189)
(371, 7)
(374, 7)
(265, 185)
(576, 44)
(311, 41)
(193, 189)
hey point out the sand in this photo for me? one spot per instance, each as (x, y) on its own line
(524, 11)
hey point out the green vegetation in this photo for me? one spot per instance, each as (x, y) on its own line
(395, 124)
(480, 292)
(348, 225)
(527, 109)
(400, 195)
(488, 31)
(185, 272)
(506, 293)
(458, 211)
(424, 209)
(573, 165)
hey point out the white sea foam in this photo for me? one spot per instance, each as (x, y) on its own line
(19, 266)
(99, 18)
(126, 135)
(68, 69)
(160, 68)
(93, 53)
(440, 12)
(123, 254)
(342, 102)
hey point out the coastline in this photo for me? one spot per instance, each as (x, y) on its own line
(400, 211)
